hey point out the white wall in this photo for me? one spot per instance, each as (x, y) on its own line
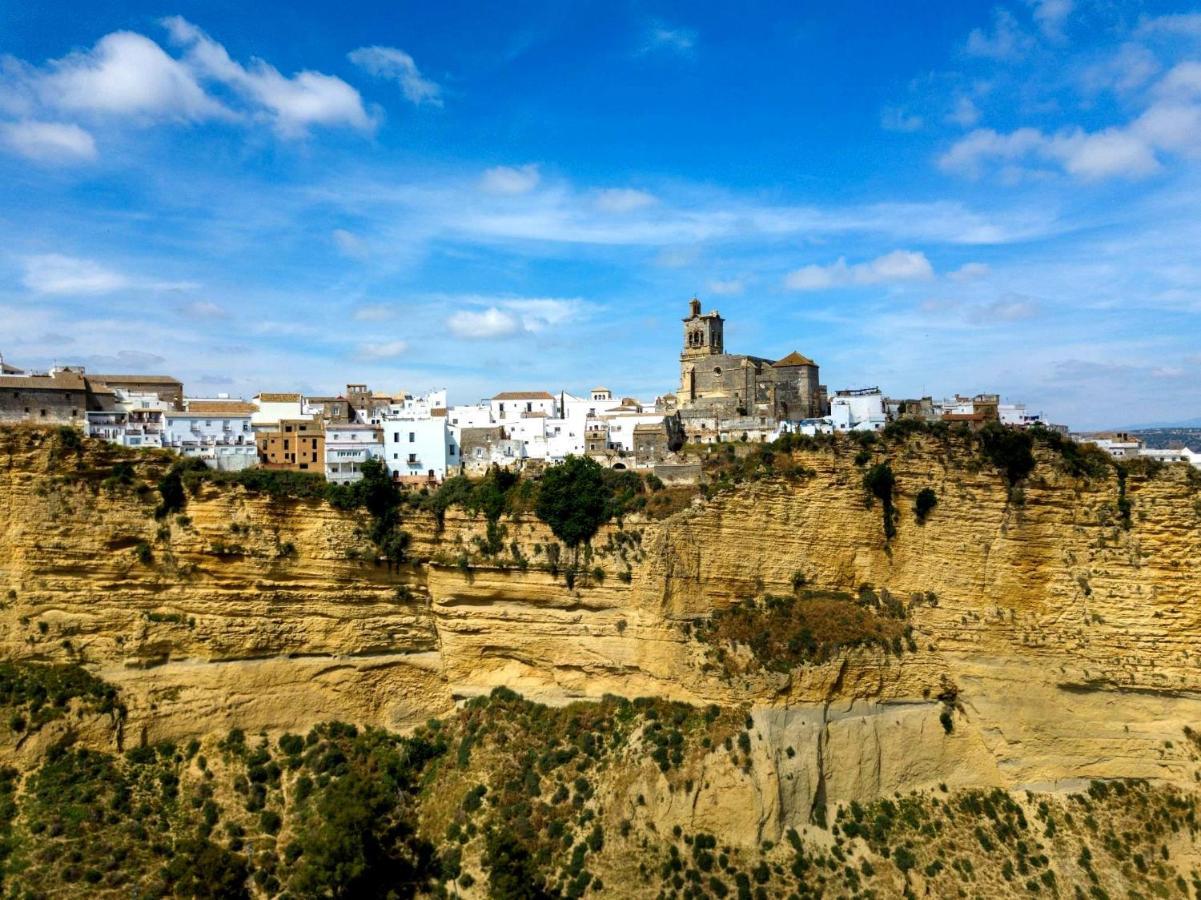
(507, 410)
(346, 449)
(417, 446)
(206, 429)
(271, 413)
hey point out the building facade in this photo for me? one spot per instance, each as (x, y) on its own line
(727, 385)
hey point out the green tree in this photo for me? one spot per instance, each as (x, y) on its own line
(573, 500)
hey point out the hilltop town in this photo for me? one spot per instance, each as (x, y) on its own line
(422, 439)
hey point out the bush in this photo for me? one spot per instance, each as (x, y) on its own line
(1009, 449)
(924, 503)
(880, 482)
(573, 500)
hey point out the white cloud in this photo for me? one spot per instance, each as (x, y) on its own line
(204, 309)
(896, 119)
(293, 104)
(384, 350)
(488, 323)
(1008, 308)
(48, 142)
(965, 113)
(1188, 24)
(56, 273)
(664, 37)
(373, 313)
(349, 243)
(1007, 41)
(505, 318)
(727, 287)
(1131, 67)
(396, 65)
(125, 74)
(897, 266)
(623, 200)
(1114, 152)
(510, 179)
(1051, 15)
(969, 272)
(53, 273)
(1183, 81)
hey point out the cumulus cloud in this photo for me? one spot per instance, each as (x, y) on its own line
(969, 272)
(964, 113)
(510, 179)
(384, 350)
(896, 119)
(48, 142)
(506, 318)
(897, 266)
(396, 65)
(487, 323)
(1113, 152)
(1187, 24)
(1006, 40)
(293, 104)
(623, 200)
(54, 273)
(1051, 15)
(125, 74)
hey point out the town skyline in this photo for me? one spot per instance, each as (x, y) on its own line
(963, 198)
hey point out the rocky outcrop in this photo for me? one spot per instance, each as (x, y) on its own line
(1051, 643)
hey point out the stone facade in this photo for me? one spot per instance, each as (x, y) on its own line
(727, 385)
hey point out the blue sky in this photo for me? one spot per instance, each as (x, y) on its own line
(931, 197)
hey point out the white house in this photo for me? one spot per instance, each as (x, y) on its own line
(271, 409)
(217, 431)
(1183, 454)
(1119, 446)
(509, 405)
(858, 410)
(419, 448)
(347, 447)
(473, 415)
(137, 419)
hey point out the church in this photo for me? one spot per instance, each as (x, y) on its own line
(726, 386)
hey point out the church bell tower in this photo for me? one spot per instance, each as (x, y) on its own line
(702, 333)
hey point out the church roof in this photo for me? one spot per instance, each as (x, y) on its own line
(794, 359)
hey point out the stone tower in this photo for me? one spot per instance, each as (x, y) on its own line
(702, 333)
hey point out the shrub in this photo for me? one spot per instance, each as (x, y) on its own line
(170, 489)
(924, 503)
(573, 500)
(880, 482)
(1009, 449)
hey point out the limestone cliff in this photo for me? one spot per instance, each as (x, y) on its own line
(1055, 632)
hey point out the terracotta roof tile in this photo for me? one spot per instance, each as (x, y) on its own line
(794, 359)
(523, 395)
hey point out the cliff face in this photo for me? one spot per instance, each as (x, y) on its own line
(1048, 643)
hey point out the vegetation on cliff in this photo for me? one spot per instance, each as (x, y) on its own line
(778, 634)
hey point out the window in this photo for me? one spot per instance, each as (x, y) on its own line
(285, 443)
(450, 450)
(43, 413)
(396, 437)
(412, 437)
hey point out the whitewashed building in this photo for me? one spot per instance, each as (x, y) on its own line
(508, 406)
(136, 420)
(217, 431)
(347, 447)
(858, 410)
(419, 449)
(271, 409)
